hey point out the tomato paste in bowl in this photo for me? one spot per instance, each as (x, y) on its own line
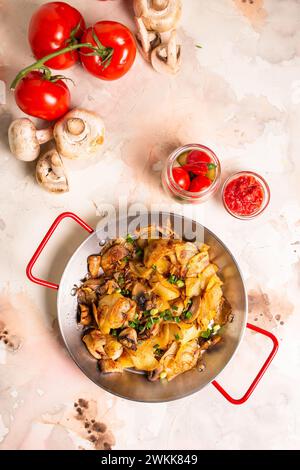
(245, 195)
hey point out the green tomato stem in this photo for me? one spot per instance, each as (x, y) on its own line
(39, 64)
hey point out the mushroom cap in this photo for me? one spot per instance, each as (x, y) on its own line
(160, 19)
(50, 172)
(79, 133)
(23, 141)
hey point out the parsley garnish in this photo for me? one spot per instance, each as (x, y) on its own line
(177, 337)
(129, 239)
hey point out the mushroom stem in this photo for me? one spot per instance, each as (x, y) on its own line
(44, 135)
(75, 126)
(50, 173)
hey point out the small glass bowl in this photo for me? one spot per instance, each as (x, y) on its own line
(183, 196)
(266, 191)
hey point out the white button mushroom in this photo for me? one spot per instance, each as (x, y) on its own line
(147, 40)
(158, 15)
(25, 140)
(166, 58)
(78, 134)
(50, 173)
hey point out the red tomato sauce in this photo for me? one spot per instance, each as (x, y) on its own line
(244, 195)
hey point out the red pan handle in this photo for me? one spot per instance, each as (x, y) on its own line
(44, 242)
(240, 401)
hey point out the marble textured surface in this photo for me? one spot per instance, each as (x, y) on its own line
(240, 95)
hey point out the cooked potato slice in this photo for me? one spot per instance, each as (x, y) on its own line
(166, 290)
(197, 264)
(193, 286)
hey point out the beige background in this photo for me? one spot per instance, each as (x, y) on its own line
(240, 95)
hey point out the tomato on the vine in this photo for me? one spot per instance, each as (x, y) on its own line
(117, 50)
(53, 26)
(181, 177)
(42, 98)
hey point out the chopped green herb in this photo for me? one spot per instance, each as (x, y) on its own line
(172, 279)
(126, 259)
(153, 311)
(139, 252)
(177, 337)
(211, 166)
(188, 314)
(156, 346)
(177, 319)
(180, 283)
(126, 292)
(149, 323)
(174, 307)
(121, 280)
(129, 239)
(154, 267)
(159, 352)
(198, 46)
(146, 313)
(206, 334)
(114, 332)
(215, 329)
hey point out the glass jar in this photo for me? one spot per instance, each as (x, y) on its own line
(245, 195)
(182, 195)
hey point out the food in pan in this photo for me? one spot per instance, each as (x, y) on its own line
(155, 305)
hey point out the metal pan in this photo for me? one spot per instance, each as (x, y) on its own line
(132, 385)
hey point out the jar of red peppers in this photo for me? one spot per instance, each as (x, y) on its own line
(192, 173)
(245, 195)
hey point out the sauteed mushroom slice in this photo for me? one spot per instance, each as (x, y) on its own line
(112, 255)
(95, 342)
(94, 262)
(50, 173)
(25, 139)
(79, 133)
(158, 15)
(85, 317)
(128, 338)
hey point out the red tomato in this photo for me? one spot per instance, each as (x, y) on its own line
(42, 98)
(196, 168)
(118, 41)
(198, 156)
(199, 183)
(51, 28)
(181, 177)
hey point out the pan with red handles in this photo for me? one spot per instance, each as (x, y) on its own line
(132, 385)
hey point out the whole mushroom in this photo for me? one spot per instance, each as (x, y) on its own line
(158, 15)
(78, 134)
(50, 173)
(25, 139)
